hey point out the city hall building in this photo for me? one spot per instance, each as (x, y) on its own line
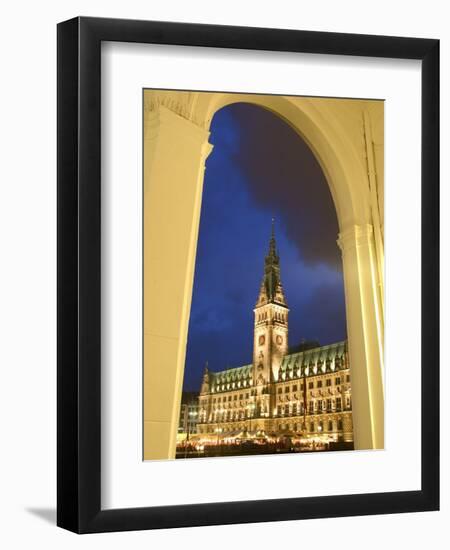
(304, 394)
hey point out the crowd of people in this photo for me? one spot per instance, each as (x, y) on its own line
(202, 448)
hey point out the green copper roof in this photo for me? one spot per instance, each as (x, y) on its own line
(294, 365)
(319, 359)
(231, 375)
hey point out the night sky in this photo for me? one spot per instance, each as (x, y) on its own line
(260, 168)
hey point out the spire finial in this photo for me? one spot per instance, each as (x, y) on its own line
(272, 244)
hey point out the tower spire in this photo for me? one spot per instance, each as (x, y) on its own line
(271, 287)
(272, 243)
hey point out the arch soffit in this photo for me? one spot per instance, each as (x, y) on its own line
(330, 142)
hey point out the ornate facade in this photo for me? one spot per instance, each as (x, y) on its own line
(304, 394)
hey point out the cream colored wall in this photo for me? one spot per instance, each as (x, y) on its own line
(347, 138)
(174, 154)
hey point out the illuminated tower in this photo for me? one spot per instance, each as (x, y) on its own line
(270, 342)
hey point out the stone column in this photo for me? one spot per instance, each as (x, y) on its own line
(364, 327)
(175, 150)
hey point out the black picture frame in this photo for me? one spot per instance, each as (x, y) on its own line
(79, 275)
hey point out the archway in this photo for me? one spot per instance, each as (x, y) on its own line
(339, 133)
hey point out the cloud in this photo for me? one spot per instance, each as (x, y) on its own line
(260, 167)
(283, 176)
(322, 316)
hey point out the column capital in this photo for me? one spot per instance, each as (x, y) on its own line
(355, 236)
(163, 117)
(162, 121)
(180, 103)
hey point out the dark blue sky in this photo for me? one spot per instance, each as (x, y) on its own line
(260, 168)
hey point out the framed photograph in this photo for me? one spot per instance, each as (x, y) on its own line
(248, 275)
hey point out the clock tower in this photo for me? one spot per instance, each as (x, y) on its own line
(270, 342)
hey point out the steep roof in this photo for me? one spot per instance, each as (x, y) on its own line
(232, 375)
(315, 361)
(309, 362)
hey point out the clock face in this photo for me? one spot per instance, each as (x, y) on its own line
(261, 340)
(279, 340)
